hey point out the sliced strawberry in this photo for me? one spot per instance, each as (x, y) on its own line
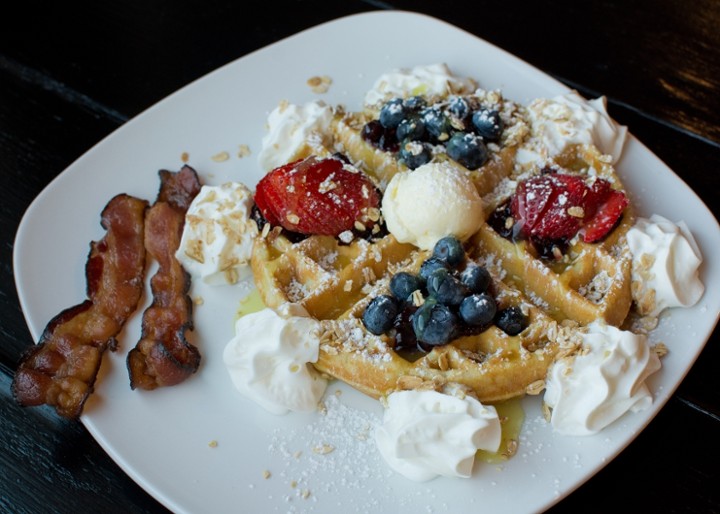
(597, 194)
(317, 196)
(555, 206)
(530, 200)
(605, 217)
(541, 205)
(563, 215)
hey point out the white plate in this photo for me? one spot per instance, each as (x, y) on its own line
(162, 438)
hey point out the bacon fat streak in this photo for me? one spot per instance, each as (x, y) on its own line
(61, 369)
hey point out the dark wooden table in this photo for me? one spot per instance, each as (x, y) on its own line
(71, 76)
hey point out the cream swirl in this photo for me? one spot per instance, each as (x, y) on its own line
(433, 81)
(567, 120)
(269, 359)
(425, 434)
(294, 132)
(217, 239)
(601, 382)
(666, 259)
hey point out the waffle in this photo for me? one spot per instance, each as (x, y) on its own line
(334, 283)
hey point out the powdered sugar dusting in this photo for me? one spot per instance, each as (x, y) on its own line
(340, 444)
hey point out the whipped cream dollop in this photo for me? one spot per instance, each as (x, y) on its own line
(269, 359)
(433, 80)
(602, 381)
(666, 260)
(569, 119)
(218, 235)
(294, 132)
(425, 434)
(435, 200)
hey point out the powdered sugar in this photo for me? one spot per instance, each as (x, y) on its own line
(340, 443)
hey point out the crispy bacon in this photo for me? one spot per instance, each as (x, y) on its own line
(163, 356)
(61, 369)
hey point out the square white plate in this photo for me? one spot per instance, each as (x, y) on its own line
(162, 438)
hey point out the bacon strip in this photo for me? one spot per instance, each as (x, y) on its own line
(163, 356)
(61, 369)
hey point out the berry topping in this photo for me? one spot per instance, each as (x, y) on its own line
(404, 284)
(478, 309)
(379, 136)
(403, 329)
(511, 321)
(415, 103)
(414, 154)
(459, 108)
(416, 131)
(380, 314)
(446, 287)
(555, 206)
(488, 124)
(440, 303)
(437, 124)
(318, 196)
(392, 113)
(467, 149)
(450, 250)
(411, 128)
(430, 265)
(434, 323)
(475, 278)
(605, 217)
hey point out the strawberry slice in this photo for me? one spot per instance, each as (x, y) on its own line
(605, 217)
(530, 200)
(317, 196)
(555, 206)
(564, 211)
(543, 205)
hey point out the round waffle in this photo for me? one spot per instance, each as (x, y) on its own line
(335, 281)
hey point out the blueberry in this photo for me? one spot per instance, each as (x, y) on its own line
(478, 309)
(379, 314)
(511, 321)
(392, 113)
(488, 124)
(411, 128)
(372, 131)
(476, 278)
(380, 137)
(404, 332)
(467, 149)
(414, 154)
(498, 220)
(415, 103)
(437, 124)
(459, 108)
(434, 323)
(431, 264)
(446, 287)
(403, 284)
(450, 250)
(389, 142)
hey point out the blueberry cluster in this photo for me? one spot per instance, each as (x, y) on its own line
(455, 301)
(411, 128)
